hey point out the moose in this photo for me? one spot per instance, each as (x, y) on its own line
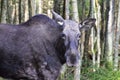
(37, 48)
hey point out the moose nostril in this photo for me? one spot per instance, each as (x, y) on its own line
(73, 59)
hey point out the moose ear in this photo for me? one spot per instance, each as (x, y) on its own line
(58, 18)
(87, 23)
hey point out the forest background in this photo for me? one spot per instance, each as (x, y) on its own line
(99, 46)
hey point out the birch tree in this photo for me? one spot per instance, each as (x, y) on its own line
(75, 10)
(98, 24)
(67, 12)
(10, 11)
(92, 13)
(16, 14)
(23, 10)
(38, 6)
(32, 7)
(3, 11)
(109, 35)
(117, 31)
(50, 5)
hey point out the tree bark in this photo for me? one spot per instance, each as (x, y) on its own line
(32, 7)
(3, 11)
(38, 6)
(117, 36)
(67, 12)
(16, 17)
(26, 13)
(10, 12)
(58, 6)
(92, 13)
(50, 4)
(75, 10)
(98, 24)
(109, 36)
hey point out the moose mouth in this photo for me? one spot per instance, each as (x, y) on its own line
(72, 60)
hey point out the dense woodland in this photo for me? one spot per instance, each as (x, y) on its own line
(99, 46)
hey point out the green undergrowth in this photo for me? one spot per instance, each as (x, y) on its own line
(100, 74)
(68, 75)
(88, 74)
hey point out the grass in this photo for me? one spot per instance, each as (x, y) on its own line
(88, 74)
(100, 74)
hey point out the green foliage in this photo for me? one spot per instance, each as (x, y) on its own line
(83, 8)
(68, 75)
(100, 74)
(87, 73)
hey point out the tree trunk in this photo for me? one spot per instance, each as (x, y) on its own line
(75, 10)
(58, 6)
(32, 7)
(103, 28)
(26, 13)
(50, 4)
(10, 11)
(67, 12)
(16, 17)
(22, 9)
(117, 35)
(92, 13)
(3, 11)
(38, 6)
(109, 36)
(98, 24)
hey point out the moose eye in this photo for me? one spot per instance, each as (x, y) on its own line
(63, 36)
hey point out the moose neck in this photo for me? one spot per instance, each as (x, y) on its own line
(60, 48)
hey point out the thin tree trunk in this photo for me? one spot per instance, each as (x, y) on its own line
(83, 9)
(10, 12)
(109, 36)
(67, 12)
(98, 15)
(58, 6)
(103, 28)
(92, 14)
(32, 7)
(38, 6)
(75, 10)
(117, 39)
(4, 11)
(21, 10)
(50, 4)
(26, 13)
(16, 17)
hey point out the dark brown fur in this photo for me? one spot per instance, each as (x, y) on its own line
(27, 50)
(36, 49)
